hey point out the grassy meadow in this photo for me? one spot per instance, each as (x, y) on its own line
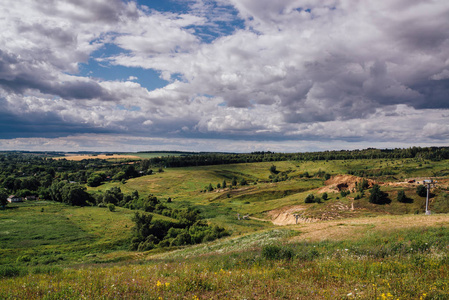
(358, 251)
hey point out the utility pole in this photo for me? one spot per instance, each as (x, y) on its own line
(428, 184)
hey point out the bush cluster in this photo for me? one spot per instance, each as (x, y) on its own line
(312, 199)
(149, 234)
(274, 251)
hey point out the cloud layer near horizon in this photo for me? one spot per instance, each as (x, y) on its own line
(364, 72)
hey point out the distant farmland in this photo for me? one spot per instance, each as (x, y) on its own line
(78, 157)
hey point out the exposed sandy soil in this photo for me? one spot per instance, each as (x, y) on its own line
(102, 156)
(440, 182)
(342, 182)
(286, 215)
(356, 228)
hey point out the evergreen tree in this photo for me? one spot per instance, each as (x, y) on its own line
(377, 196)
(403, 198)
(310, 198)
(421, 190)
(3, 198)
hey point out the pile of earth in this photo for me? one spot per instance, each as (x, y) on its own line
(340, 183)
(289, 215)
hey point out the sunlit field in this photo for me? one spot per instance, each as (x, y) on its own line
(343, 247)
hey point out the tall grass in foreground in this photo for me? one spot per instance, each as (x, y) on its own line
(411, 264)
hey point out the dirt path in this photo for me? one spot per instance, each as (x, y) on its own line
(356, 228)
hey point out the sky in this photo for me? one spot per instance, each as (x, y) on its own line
(223, 75)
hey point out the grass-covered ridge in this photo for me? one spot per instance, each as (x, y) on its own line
(407, 263)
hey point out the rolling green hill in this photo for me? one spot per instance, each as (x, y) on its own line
(343, 247)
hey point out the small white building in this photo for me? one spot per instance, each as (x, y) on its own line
(14, 198)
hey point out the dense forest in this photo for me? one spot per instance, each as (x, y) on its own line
(202, 159)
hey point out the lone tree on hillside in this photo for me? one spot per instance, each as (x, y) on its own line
(309, 199)
(377, 196)
(421, 190)
(402, 197)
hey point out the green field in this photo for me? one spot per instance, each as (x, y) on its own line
(353, 249)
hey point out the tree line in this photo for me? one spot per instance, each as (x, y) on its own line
(203, 159)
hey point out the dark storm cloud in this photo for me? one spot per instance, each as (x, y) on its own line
(289, 69)
(27, 124)
(435, 93)
(17, 77)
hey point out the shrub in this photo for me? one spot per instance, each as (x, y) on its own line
(421, 190)
(308, 254)
(403, 198)
(111, 207)
(344, 193)
(310, 198)
(377, 196)
(273, 252)
(10, 271)
(324, 196)
(50, 270)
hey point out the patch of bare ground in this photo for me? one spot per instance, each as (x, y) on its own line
(440, 182)
(342, 182)
(292, 214)
(353, 229)
(289, 215)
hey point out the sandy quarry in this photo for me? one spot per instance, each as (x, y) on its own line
(286, 215)
(342, 182)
